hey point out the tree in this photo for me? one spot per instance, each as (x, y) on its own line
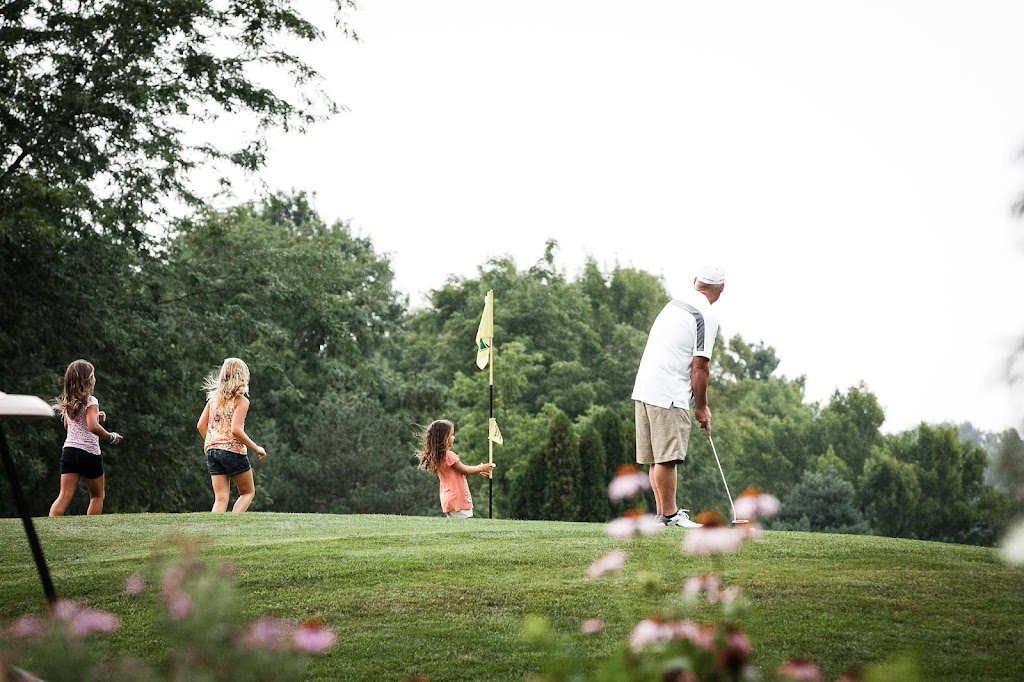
(950, 474)
(562, 482)
(823, 503)
(1009, 470)
(850, 424)
(593, 475)
(99, 100)
(891, 494)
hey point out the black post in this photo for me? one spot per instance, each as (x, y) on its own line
(490, 479)
(26, 520)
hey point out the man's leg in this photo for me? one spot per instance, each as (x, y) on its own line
(663, 483)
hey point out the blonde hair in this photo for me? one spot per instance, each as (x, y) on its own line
(435, 444)
(78, 385)
(232, 382)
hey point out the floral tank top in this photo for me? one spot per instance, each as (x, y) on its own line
(218, 430)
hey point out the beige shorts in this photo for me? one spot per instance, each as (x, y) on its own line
(460, 514)
(662, 433)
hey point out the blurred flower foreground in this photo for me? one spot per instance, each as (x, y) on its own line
(197, 635)
(670, 645)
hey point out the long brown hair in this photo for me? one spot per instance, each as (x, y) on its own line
(78, 385)
(435, 444)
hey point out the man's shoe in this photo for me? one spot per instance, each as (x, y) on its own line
(681, 518)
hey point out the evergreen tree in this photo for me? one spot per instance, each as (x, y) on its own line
(619, 448)
(593, 489)
(824, 503)
(564, 473)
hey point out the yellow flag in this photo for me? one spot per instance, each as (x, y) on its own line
(485, 332)
(494, 434)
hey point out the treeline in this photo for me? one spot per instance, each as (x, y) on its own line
(93, 149)
(343, 371)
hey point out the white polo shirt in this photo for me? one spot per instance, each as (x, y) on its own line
(684, 328)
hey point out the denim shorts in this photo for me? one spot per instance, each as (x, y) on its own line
(226, 463)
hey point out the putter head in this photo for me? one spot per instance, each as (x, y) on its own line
(735, 521)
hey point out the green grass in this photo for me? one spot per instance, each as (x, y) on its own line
(446, 598)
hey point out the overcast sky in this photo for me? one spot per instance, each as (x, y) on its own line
(851, 165)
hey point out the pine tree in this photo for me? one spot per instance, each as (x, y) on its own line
(564, 474)
(618, 446)
(593, 486)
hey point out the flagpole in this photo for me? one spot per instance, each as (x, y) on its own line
(490, 443)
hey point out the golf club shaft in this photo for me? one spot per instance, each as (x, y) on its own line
(715, 452)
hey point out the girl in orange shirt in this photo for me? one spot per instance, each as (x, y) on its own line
(456, 502)
(222, 426)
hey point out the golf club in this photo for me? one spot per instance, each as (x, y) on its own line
(731, 505)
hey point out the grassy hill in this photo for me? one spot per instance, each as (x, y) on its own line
(446, 599)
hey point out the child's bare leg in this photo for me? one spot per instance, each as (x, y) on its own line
(96, 495)
(221, 492)
(68, 486)
(246, 491)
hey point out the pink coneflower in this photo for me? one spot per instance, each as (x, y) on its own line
(704, 583)
(646, 633)
(713, 540)
(269, 633)
(753, 504)
(612, 561)
(737, 652)
(87, 621)
(65, 610)
(592, 626)
(180, 606)
(702, 637)
(29, 627)
(173, 578)
(313, 637)
(801, 669)
(622, 528)
(633, 522)
(135, 585)
(628, 482)
(648, 524)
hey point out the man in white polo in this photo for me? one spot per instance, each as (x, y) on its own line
(673, 375)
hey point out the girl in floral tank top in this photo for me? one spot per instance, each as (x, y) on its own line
(225, 442)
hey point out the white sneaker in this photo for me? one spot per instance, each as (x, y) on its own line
(681, 518)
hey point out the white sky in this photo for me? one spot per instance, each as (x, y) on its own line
(852, 165)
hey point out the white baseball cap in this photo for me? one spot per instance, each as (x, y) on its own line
(711, 274)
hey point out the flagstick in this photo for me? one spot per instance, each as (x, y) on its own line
(490, 443)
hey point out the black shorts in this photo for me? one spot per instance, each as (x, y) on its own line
(226, 463)
(78, 461)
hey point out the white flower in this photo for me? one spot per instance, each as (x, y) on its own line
(628, 482)
(612, 561)
(646, 633)
(716, 540)
(625, 527)
(1012, 546)
(622, 528)
(752, 504)
(648, 524)
(697, 584)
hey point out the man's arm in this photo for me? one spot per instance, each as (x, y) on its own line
(700, 372)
